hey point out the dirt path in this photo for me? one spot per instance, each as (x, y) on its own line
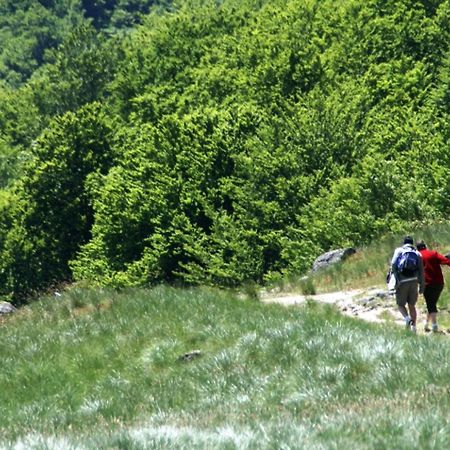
(372, 305)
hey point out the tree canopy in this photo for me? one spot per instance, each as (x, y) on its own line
(218, 142)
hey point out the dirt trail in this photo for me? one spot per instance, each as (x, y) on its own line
(372, 305)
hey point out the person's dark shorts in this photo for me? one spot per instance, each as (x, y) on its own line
(407, 292)
(432, 293)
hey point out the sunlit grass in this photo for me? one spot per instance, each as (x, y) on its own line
(100, 369)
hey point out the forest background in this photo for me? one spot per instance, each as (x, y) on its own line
(214, 142)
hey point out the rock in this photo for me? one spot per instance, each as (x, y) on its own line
(6, 308)
(189, 356)
(332, 257)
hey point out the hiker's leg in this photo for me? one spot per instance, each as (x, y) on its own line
(433, 294)
(412, 313)
(426, 296)
(413, 295)
(401, 298)
(403, 310)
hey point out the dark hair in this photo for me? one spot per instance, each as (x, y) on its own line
(421, 245)
(408, 240)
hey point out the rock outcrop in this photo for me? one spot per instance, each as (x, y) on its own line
(332, 257)
(7, 308)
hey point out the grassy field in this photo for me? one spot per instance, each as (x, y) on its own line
(96, 369)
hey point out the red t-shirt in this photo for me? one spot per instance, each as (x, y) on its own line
(432, 262)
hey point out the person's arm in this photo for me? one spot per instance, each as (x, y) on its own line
(443, 261)
(421, 277)
(394, 260)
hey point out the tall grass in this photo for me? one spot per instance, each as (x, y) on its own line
(101, 369)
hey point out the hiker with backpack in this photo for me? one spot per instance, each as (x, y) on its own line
(407, 268)
(434, 282)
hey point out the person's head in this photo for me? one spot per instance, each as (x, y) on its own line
(421, 245)
(408, 240)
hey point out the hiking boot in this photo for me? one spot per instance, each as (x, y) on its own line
(426, 328)
(409, 323)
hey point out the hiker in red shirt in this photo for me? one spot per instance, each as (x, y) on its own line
(434, 281)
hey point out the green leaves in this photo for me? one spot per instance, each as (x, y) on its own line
(28, 29)
(223, 143)
(52, 215)
(82, 67)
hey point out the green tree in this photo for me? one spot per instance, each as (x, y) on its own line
(52, 215)
(83, 65)
(28, 28)
(243, 138)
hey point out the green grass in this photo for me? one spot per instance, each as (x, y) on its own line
(97, 369)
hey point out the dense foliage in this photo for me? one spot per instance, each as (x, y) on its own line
(30, 29)
(221, 142)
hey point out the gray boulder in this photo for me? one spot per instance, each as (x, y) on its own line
(6, 308)
(332, 257)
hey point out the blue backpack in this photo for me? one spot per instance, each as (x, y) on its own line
(408, 263)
